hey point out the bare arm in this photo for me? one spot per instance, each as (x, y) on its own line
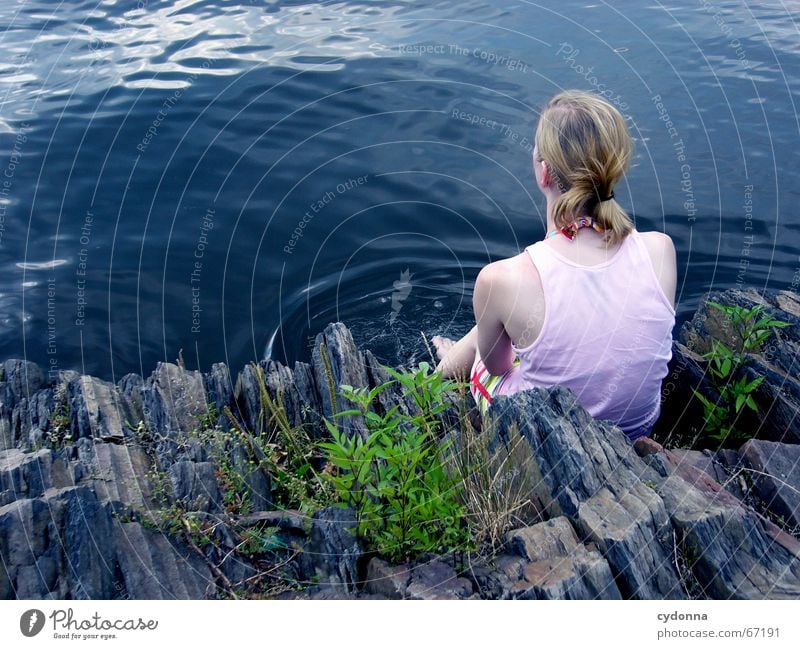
(494, 344)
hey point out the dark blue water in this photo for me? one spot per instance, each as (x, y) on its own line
(226, 179)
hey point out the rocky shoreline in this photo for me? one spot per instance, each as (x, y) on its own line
(111, 491)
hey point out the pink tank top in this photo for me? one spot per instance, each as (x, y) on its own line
(607, 335)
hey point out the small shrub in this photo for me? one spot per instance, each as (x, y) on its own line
(396, 478)
(726, 367)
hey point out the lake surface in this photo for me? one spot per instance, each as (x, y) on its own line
(227, 179)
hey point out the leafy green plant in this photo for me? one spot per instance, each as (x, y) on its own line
(428, 390)
(395, 477)
(256, 542)
(752, 329)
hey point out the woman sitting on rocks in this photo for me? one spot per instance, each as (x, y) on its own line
(591, 306)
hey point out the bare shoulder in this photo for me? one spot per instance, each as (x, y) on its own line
(662, 254)
(501, 281)
(657, 241)
(501, 272)
(512, 290)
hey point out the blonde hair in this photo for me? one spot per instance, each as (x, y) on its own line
(586, 145)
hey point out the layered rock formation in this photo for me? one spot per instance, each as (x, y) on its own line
(114, 490)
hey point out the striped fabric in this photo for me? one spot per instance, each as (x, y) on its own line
(483, 385)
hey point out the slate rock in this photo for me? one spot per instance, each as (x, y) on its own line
(248, 399)
(347, 367)
(496, 577)
(36, 438)
(23, 533)
(195, 485)
(174, 399)
(281, 386)
(19, 381)
(590, 474)
(295, 391)
(722, 466)
(392, 395)
(777, 482)
(558, 565)
(154, 566)
(121, 477)
(130, 386)
(387, 580)
(219, 389)
(732, 551)
(308, 395)
(31, 414)
(89, 551)
(284, 519)
(680, 409)
(25, 475)
(36, 581)
(221, 550)
(333, 550)
(437, 580)
(98, 410)
(193, 450)
(778, 401)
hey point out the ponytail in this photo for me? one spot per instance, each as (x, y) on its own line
(587, 147)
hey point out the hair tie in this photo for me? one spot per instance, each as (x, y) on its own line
(607, 198)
